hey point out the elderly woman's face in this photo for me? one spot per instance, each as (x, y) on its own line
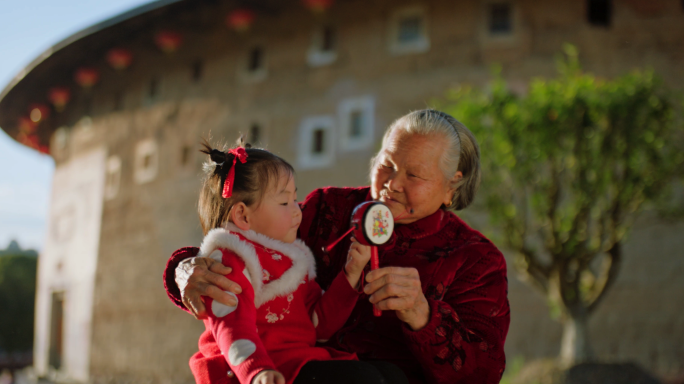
(407, 176)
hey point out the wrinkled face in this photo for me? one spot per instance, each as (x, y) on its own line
(407, 176)
(278, 215)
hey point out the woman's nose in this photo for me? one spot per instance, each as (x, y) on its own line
(395, 184)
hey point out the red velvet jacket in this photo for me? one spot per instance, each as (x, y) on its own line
(463, 276)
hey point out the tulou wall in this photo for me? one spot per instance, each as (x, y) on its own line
(135, 139)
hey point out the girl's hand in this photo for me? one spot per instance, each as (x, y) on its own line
(357, 258)
(204, 276)
(269, 377)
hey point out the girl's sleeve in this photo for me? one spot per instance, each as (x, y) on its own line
(234, 328)
(330, 309)
(463, 341)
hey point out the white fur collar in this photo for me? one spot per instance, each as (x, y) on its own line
(302, 260)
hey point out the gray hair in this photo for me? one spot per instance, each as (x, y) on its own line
(462, 153)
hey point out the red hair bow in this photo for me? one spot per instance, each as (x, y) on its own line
(238, 153)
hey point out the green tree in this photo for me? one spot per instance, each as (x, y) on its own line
(17, 302)
(566, 169)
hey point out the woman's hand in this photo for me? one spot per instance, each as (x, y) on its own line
(398, 289)
(204, 276)
(269, 377)
(357, 258)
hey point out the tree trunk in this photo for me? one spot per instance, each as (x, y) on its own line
(575, 346)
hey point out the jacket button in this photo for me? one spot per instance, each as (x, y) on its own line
(231, 374)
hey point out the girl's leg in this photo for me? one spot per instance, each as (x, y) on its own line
(350, 372)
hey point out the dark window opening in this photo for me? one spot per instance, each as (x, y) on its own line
(153, 88)
(185, 155)
(318, 141)
(254, 134)
(500, 18)
(197, 70)
(256, 58)
(410, 29)
(328, 39)
(599, 12)
(56, 330)
(356, 124)
(147, 161)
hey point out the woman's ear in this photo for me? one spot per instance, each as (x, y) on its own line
(239, 215)
(454, 184)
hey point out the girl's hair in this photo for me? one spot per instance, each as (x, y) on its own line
(462, 153)
(261, 171)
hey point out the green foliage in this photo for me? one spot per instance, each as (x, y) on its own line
(567, 166)
(17, 302)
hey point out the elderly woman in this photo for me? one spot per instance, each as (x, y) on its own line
(441, 285)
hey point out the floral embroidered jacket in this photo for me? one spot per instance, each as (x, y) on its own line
(463, 276)
(281, 311)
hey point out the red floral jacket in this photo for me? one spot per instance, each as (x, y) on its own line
(463, 276)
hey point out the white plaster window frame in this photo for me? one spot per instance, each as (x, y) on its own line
(366, 106)
(316, 56)
(398, 47)
(143, 149)
(112, 177)
(306, 158)
(487, 37)
(257, 75)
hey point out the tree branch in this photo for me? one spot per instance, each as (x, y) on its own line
(608, 277)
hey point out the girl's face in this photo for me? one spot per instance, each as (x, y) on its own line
(407, 176)
(278, 216)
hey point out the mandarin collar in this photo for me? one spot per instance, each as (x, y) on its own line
(424, 227)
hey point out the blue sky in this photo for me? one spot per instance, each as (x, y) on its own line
(27, 28)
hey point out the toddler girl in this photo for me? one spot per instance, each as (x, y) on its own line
(249, 214)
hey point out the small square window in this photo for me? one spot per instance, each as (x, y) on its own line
(356, 127)
(599, 12)
(112, 177)
(146, 161)
(254, 67)
(254, 136)
(328, 39)
(323, 50)
(316, 142)
(408, 31)
(256, 59)
(500, 18)
(356, 123)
